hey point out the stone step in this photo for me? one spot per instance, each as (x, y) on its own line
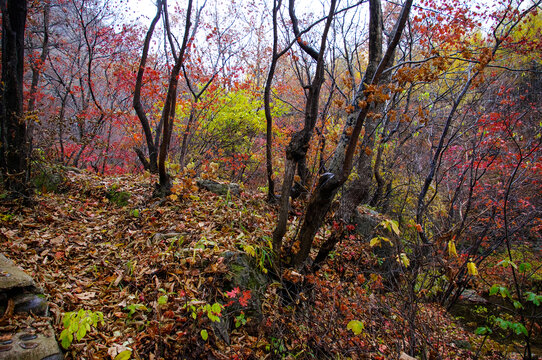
(20, 295)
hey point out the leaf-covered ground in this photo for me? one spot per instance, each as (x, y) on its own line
(155, 269)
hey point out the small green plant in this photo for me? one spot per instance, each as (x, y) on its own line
(213, 312)
(130, 267)
(132, 308)
(240, 320)
(79, 323)
(6, 217)
(48, 177)
(163, 299)
(263, 254)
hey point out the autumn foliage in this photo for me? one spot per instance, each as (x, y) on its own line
(405, 138)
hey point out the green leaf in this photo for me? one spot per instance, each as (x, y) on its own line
(532, 297)
(162, 300)
(123, 355)
(216, 308)
(494, 290)
(518, 328)
(483, 330)
(204, 335)
(395, 227)
(518, 305)
(524, 267)
(374, 242)
(81, 332)
(66, 338)
(356, 326)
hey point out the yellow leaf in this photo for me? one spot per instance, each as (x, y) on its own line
(374, 242)
(124, 355)
(173, 197)
(356, 326)
(403, 259)
(249, 249)
(451, 248)
(471, 267)
(386, 239)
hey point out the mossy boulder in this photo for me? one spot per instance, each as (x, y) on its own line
(219, 188)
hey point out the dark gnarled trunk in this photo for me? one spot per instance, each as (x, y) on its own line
(341, 165)
(13, 149)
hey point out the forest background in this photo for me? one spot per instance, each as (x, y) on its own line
(422, 115)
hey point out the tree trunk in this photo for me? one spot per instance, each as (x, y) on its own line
(267, 109)
(298, 146)
(152, 146)
(341, 165)
(13, 150)
(168, 113)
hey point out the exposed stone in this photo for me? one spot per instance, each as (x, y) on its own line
(11, 276)
(31, 303)
(19, 294)
(244, 274)
(366, 220)
(472, 297)
(219, 188)
(463, 344)
(29, 346)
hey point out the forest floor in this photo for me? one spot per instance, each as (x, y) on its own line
(158, 271)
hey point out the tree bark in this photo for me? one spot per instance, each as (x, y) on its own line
(298, 146)
(13, 149)
(168, 113)
(267, 108)
(341, 165)
(152, 145)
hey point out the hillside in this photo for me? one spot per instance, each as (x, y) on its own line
(157, 270)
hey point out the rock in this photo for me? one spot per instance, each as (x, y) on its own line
(470, 296)
(25, 345)
(31, 303)
(18, 289)
(11, 276)
(218, 188)
(462, 344)
(366, 220)
(244, 274)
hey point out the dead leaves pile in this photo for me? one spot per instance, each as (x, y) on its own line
(153, 265)
(89, 253)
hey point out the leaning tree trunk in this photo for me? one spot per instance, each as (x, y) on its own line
(341, 164)
(13, 149)
(267, 108)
